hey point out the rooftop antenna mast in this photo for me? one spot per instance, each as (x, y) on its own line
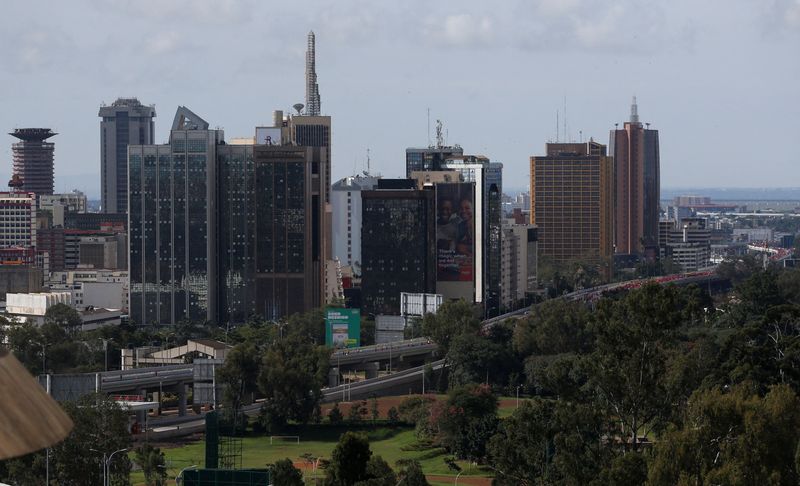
(429, 127)
(367, 162)
(557, 128)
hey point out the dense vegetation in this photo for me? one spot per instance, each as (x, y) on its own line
(661, 385)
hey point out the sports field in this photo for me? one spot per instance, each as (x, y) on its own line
(390, 442)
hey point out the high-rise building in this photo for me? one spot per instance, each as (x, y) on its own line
(636, 186)
(313, 103)
(223, 232)
(125, 122)
(347, 209)
(487, 178)
(398, 235)
(289, 231)
(571, 203)
(33, 159)
(172, 253)
(519, 267)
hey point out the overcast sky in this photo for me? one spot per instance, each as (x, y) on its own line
(719, 79)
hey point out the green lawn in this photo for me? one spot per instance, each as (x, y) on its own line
(320, 440)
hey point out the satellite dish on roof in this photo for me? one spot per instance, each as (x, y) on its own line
(299, 107)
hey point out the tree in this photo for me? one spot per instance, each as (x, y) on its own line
(239, 374)
(283, 473)
(373, 408)
(357, 409)
(452, 319)
(292, 374)
(628, 469)
(308, 326)
(548, 442)
(393, 415)
(766, 351)
(63, 316)
(151, 460)
(466, 421)
(348, 464)
(554, 327)
(733, 437)
(378, 473)
(27, 470)
(26, 342)
(473, 359)
(410, 473)
(335, 415)
(99, 425)
(636, 339)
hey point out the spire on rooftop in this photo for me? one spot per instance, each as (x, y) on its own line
(634, 111)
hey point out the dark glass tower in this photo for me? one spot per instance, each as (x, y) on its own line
(171, 219)
(125, 122)
(224, 232)
(398, 250)
(33, 159)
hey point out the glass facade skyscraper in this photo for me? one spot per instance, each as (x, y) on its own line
(172, 253)
(223, 232)
(398, 248)
(125, 122)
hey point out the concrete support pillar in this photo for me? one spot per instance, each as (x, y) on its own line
(371, 369)
(333, 377)
(141, 415)
(181, 399)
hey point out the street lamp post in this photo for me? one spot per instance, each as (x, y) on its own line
(179, 477)
(107, 471)
(518, 386)
(457, 475)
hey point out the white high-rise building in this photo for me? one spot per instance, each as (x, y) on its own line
(346, 225)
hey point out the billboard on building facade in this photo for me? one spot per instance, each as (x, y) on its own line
(342, 327)
(455, 232)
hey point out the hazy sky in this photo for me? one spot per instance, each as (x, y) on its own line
(719, 79)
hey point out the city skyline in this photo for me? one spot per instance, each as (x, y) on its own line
(699, 75)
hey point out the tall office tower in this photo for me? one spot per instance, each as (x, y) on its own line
(572, 201)
(172, 258)
(314, 131)
(223, 232)
(347, 209)
(125, 122)
(398, 250)
(289, 230)
(313, 103)
(33, 159)
(636, 186)
(487, 178)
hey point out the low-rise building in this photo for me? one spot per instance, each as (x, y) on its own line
(687, 243)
